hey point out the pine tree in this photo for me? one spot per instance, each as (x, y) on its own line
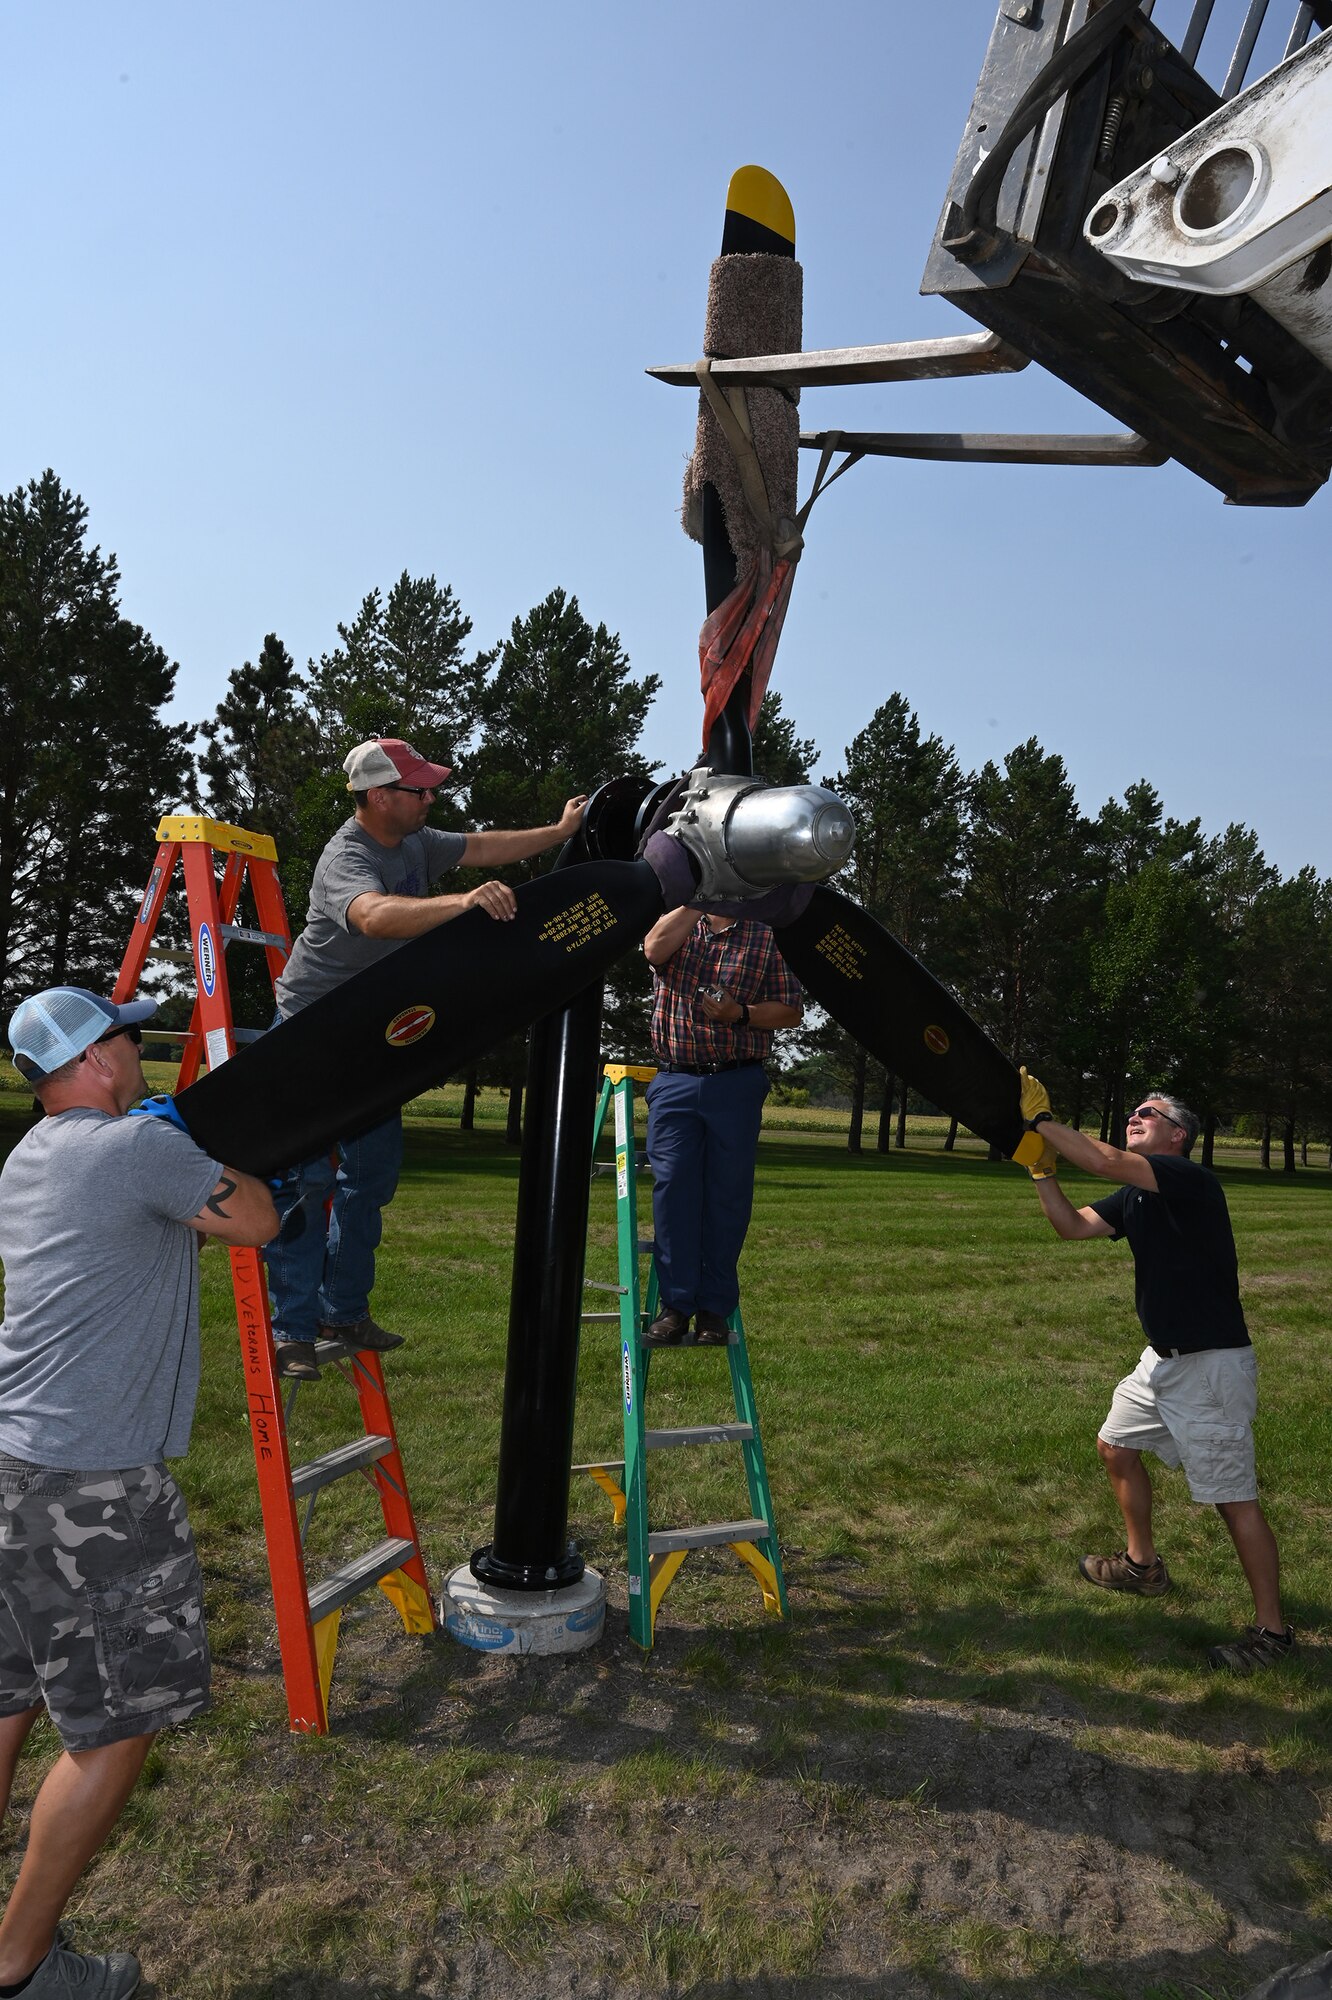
(401, 669)
(87, 765)
(1025, 903)
(780, 756)
(907, 795)
(560, 714)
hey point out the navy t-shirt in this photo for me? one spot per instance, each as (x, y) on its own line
(1186, 1274)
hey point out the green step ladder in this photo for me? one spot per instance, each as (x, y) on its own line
(655, 1557)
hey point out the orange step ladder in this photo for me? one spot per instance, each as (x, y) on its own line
(308, 1615)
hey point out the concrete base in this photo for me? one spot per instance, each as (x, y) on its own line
(523, 1621)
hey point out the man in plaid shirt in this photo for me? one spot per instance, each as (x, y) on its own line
(720, 990)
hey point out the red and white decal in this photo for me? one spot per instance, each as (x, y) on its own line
(409, 1026)
(936, 1041)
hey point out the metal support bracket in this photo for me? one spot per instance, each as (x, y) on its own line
(993, 447)
(837, 367)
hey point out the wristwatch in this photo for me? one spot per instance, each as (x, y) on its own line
(743, 1022)
(1041, 1118)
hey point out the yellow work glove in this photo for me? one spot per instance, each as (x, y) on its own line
(1035, 1096)
(1047, 1166)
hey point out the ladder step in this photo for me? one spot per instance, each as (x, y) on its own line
(333, 1350)
(611, 1319)
(600, 1465)
(713, 1537)
(178, 954)
(331, 1465)
(595, 1285)
(239, 934)
(357, 1575)
(699, 1434)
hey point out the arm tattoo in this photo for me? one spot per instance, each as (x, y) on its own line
(217, 1199)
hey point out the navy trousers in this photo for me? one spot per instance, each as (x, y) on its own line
(702, 1142)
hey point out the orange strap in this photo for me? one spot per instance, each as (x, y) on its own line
(742, 633)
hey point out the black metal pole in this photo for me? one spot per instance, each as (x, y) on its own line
(531, 1549)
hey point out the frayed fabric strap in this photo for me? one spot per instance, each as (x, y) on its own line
(732, 413)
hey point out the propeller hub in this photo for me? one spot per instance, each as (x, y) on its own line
(748, 836)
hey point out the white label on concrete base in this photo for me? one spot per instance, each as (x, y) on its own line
(522, 1621)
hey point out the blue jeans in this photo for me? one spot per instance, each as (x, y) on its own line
(702, 1143)
(321, 1266)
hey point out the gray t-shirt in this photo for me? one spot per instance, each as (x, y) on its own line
(99, 1346)
(354, 864)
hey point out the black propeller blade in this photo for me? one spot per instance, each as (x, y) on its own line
(425, 1011)
(876, 990)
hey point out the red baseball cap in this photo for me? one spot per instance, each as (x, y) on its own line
(387, 760)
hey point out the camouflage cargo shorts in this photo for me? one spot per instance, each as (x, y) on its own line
(101, 1602)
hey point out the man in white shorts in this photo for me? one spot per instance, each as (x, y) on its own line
(1191, 1399)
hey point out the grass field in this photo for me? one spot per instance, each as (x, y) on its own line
(956, 1770)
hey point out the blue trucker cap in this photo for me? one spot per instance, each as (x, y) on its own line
(61, 1022)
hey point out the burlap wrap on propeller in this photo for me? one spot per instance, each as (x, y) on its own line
(754, 307)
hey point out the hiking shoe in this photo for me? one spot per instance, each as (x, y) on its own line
(668, 1329)
(75, 1975)
(363, 1334)
(1257, 1648)
(711, 1330)
(296, 1361)
(1118, 1573)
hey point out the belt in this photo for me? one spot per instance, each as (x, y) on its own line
(712, 1069)
(1171, 1353)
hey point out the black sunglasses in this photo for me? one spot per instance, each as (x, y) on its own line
(1150, 1111)
(131, 1028)
(417, 791)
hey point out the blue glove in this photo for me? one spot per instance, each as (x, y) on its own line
(161, 1107)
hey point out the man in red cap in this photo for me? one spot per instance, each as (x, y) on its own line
(371, 892)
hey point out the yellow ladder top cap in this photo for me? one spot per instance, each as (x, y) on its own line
(216, 833)
(617, 1072)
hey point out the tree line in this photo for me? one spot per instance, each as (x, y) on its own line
(1112, 953)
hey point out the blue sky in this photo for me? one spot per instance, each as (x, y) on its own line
(303, 295)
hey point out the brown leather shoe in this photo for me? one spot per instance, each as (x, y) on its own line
(1118, 1573)
(711, 1330)
(668, 1329)
(362, 1334)
(1255, 1649)
(296, 1361)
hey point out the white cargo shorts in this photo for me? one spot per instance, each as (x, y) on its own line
(1194, 1410)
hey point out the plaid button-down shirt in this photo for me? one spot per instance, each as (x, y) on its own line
(747, 963)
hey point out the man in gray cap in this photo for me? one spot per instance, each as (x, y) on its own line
(370, 894)
(101, 1601)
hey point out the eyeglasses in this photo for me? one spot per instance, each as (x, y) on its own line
(417, 791)
(1151, 1111)
(132, 1029)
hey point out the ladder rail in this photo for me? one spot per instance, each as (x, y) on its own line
(307, 1616)
(655, 1556)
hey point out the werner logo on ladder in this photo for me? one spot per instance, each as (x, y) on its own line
(308, 1615)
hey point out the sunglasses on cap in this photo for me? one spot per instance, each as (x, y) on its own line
(1151, 1111)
